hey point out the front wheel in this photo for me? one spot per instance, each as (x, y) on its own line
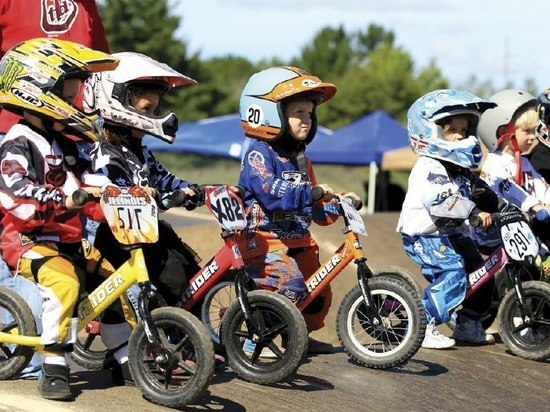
(15, 318)
(399, 335)
(180, 373)
(275, 349)
(527, 336)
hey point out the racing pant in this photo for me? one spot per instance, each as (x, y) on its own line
(445, 262)
(56, 268)
(286, 271)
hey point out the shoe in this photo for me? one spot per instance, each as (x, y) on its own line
(218, 359)
(435, 340)
(316, 347)
(121, 376)
(471, 331)
(54, 382)
(249, 347)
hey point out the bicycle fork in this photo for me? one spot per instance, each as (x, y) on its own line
(243, 285)
(363, 275)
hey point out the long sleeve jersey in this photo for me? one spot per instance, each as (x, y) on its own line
(37, 173)
(125, 166)
(440, 197)
(499, 170)
(278, 202)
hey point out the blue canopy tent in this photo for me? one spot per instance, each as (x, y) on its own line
(362, 142)
(217, 136)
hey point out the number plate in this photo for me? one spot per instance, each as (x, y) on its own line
(226, 207)
(356, 223)
(131, 214)
(519, 241)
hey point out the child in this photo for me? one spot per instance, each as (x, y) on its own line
(41, 236)
(277, 109)
(515, 124)
(442, 193)
(128, 99)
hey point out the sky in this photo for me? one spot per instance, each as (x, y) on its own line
(498, 40)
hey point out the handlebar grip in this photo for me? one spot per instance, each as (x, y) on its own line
(357, 204)
(317, 192)
(474, 220)
(174, 199)
(80, 197)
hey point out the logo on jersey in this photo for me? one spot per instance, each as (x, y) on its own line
(13, 168)
(58, 16)
(55, 176)
(292, 176)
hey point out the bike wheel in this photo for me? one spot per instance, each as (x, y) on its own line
(15, 318)
(182, 378)
(396, 339)
(213, 308)
(280, 328)
(89, 352)
(527, 337)
(400, 274)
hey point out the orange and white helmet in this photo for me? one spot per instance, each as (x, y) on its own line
(110, 94)
(260, 104)
(32, 75)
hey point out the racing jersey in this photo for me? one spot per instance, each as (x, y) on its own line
(278, 202)
(540, 160)
(37, 173)
(441, 196)
(129, 166)
(499, 170)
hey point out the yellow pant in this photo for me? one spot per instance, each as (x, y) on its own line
(58, 269)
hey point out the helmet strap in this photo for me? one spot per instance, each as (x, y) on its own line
(510, 133)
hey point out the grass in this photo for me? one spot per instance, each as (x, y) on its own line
(207, 169)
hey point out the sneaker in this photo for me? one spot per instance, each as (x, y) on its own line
(249, 347)
(121, 376)
(316, 347)
(435, 340)
(471, 331)
(54, 382)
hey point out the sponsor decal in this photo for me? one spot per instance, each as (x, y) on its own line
(321, 274)
(26, 97)
(198, 281)
(477, 275)
(58, 16)
(10, 70)
(99, 295)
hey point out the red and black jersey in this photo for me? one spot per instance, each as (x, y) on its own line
(36, 174)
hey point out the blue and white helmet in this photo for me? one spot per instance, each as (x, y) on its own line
(260, 105)
(426, 135)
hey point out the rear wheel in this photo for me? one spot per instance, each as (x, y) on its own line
(214, 306)
(15, 318)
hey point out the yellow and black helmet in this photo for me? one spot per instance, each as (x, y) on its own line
(32, 75)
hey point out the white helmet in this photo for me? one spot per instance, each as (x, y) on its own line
(108, 93)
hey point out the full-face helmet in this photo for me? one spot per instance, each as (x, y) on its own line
(426, 134)
(110, 93)
(32, 75)
(262, 98)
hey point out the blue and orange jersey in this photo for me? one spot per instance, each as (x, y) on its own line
(278, 202)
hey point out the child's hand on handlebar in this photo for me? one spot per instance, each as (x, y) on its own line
(485, 219)
(328, 193)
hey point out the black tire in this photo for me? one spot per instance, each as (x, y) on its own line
(398, 273)
(282, 329)
(89, 352)
(185, 379)
(398, 338)
(527, 340)
(20, 321)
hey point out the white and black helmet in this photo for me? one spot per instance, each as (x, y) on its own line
(108, 93)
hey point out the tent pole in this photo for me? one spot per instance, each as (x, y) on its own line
(373, 171)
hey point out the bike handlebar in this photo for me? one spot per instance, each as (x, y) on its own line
(317, 193)
(178, 198)
(542, 215)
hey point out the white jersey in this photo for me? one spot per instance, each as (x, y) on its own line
(433, 195)
(499, 170)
